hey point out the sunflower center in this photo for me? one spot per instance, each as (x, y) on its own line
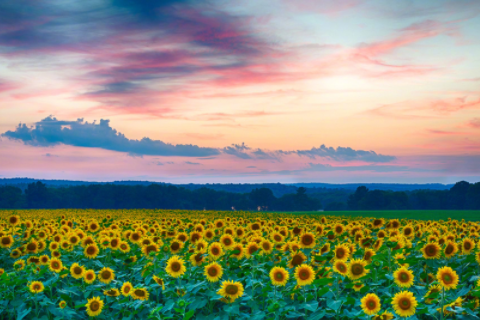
(198, 257)
(77, 270)
(341, 267)
(5, 240)
(89, 276)
(31, 246)
(404, 304)
(449, 249)
(176, 266)
(447, 279)
(36, 286)
(139, 293)
(227, 241)
(106, 274)
(304, 274)
(357, 269)
(467, 246)
(297, 260)
(126, 289)
(231, 289)
(212, 272)
(91, 250)
(175, 246)
(277, 238)
(404, 277)
(252, 249)
(371, 305)
(215, 251)
(307, 240)
(55, 265)
(266, 246)
(279, 276)
(94, 306)
(340, 253)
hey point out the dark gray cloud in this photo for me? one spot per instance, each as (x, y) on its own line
(238, 150)
(344, 154)
(51, 131)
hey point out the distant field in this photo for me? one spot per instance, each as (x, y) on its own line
(468, 215)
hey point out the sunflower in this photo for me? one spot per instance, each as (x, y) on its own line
(176, 246)
(56, 265)
(213, 272)
(447, 278)
(62, 304)
(431, 251)
(231, 290)
(370, 304)
(279, 276)
(339, 266)
(159, 281)
(468, 245)
(357, 286)
(434, 289)
(238, 251)
(227, 241)
(6, 241)
(451, 248)
(89, 276)
(197, 259)
(266, 246)
(356, 269)
(455, 304)
(19, 265)
(112, 292)
(368, 255)
(148, 249)
(124, 247)
(307, 240)
(175, 267)
(94, 306)
(91, 251)
(77, 271)
(297, 259)
(106, 275)
(126, 288)
(140, 294)
(44, 260)
(36, 287)
(251, 248)
(404, 304)
(403, 277)
(304, 275)
(14, 220)
(215, 250)
(384, 316)
(342, 252)
(325, 248)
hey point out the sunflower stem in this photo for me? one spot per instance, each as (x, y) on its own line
(442, 302)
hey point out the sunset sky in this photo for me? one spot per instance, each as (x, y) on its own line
(240, 91)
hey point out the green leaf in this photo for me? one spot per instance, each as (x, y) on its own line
(189, 314)
(21, 313)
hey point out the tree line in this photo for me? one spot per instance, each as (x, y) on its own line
(462, 196)
(153, 196)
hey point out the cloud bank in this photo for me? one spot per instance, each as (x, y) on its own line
(51, 131)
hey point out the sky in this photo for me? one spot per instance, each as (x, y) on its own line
(240, 91)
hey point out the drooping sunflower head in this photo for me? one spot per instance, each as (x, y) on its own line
(112, 292)
(139, 294)
(404, 304)
(297, 258)
(370, 304)
(357, 286)
(213, 272)
(304, 275)
(279, 276)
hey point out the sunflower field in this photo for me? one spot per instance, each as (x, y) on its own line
(174, 264)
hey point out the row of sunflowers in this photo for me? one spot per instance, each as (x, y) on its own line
(174, 264)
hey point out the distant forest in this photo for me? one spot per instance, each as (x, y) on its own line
(269, 197)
